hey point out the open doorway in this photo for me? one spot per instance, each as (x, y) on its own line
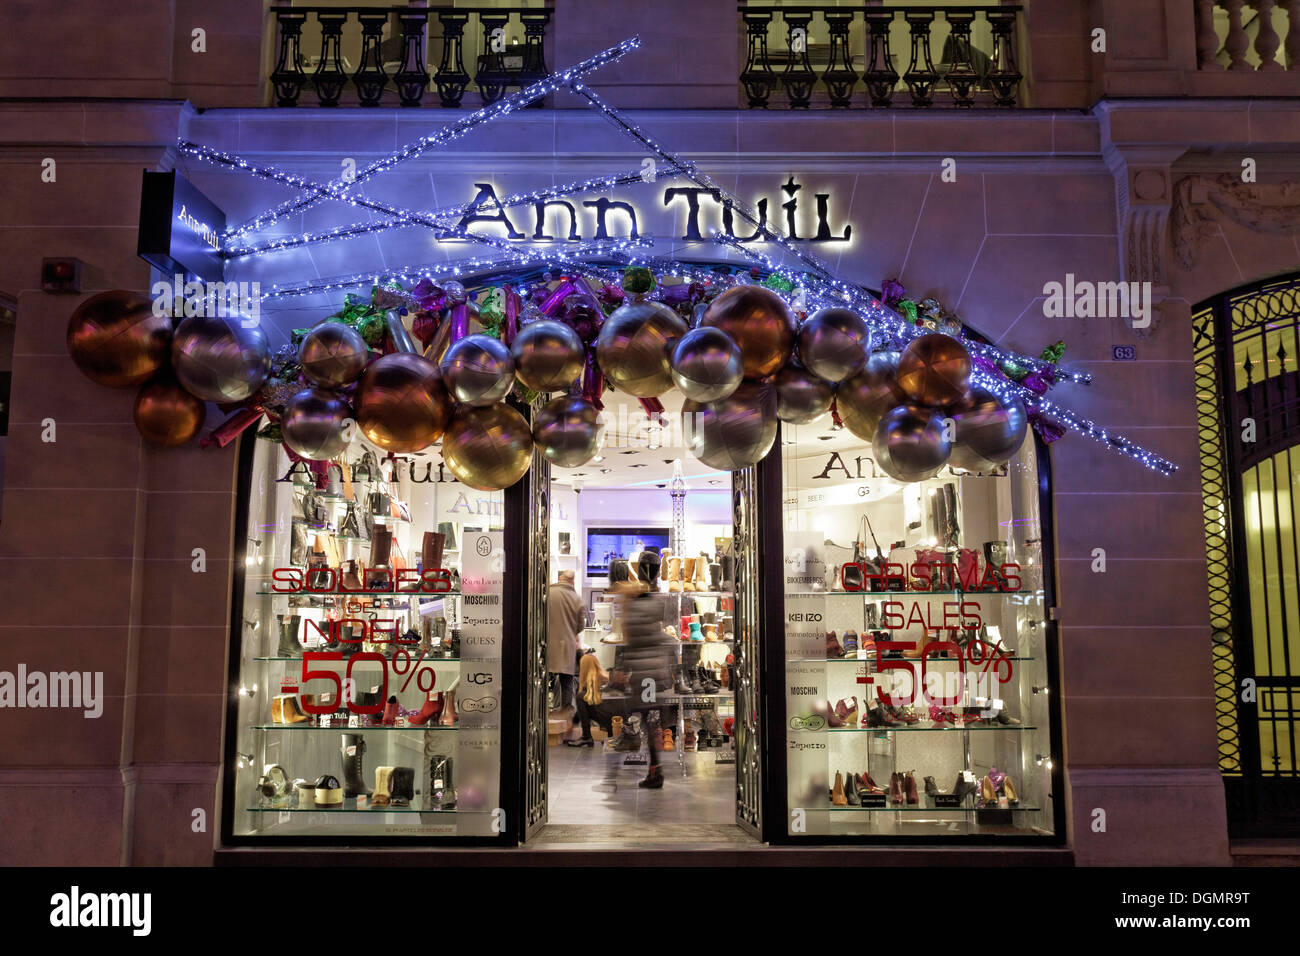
(641, 743)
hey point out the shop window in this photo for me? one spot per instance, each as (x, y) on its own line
(368, 672)
(917, 648)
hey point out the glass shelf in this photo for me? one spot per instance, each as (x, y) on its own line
(425, 661)
(900, 594)
(939, 730)
(866, 660)
(906, 809)
(345, 808)
(394, 595)
(420, 728)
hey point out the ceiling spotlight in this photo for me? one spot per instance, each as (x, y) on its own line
(598, 458)
(606, 471)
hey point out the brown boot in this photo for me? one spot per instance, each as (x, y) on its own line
(378, 575)
(688, 577)
(431, 554)
(448, 709)
(837, 792)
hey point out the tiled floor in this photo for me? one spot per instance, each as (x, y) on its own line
(590, 787)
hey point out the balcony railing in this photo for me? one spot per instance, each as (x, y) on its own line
(810, 56)
(380, 52)
(1246, 35)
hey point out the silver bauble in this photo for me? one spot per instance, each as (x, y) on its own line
(733, 432)
(478, 370)
(634, 345)
(332, 355)
(569, 431)
(218, 360)
(801, 397)
(834, 344)
(987, 429)
(862, 398)
(910, 444)
(548, 355)
(312, 424)
(707, 365)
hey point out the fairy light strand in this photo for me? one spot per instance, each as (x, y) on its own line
(503, 107)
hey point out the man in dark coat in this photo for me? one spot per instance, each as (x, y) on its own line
(565, 617)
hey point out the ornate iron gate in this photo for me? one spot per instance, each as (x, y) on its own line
(537, 562)
(748, 624)
(1246, 344)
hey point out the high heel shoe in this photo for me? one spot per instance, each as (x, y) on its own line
(987, 793)
(391, 710)
(823, 709)
(837, 792)
(449, 716)
(870, 785)
(1009, 789)
(909, 788)
(430, 712)
(895, 788)
(963, 788)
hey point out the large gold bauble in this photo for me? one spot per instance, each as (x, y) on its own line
(864, 397)
(488, 447)
(635, 346)
(934, 370)
(165, 414)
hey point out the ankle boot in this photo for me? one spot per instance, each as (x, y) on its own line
(931, 788)
(378, 577)
(851, 791)
(402, 786)
(909, 788)
(289, 646)
(673, 571)
(431, 553)
(837, 792)
(679, 681)
(449, 715)
(351, 576)
(895, 788)
(383, 780)
(833, 649)
(654, 779)
(391, 712)
(354, 772)
(285, 710)
(430, 712)
(867, 786)
(688, 575)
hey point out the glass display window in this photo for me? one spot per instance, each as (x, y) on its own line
(367, 679)
(917, 647)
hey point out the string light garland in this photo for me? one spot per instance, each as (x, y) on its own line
(444, 217)
(813, 282)
(503, 107)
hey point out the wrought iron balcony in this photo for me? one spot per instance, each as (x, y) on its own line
(381, 53)
(801, 57)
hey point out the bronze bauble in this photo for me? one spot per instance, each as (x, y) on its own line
(635, 345)
(760, 322)
(400, 402)
(801, 397)
(548, 355)
(988, 431)
(117, 341)
(166, 414)
(332, 355)
(863, 398)
(733, 432)
(934, 370)
(488, 447)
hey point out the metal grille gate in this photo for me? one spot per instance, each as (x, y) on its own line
(1246, 344)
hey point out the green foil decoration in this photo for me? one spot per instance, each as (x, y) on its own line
(778, 283)
(638, 280)
(1054, 353)
(907, 309)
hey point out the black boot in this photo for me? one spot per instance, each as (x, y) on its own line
(654, 779)
(850, 790)
(715, 576)
(402, 786)
(679, 683)
(728, 572)
(354, 771)
(289, 646)
(442, 788)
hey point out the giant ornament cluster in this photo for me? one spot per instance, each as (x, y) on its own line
(465, 375)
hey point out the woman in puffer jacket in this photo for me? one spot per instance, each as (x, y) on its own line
(648, 654)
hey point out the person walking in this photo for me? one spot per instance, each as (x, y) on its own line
(565, 617)
(648, 654)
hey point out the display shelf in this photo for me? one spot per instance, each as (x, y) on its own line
(890, 730)
(349, 809)
(418, 662)
(895, 594)
(681, 697)
(919, 809)
(418, 728)
(866, 660)
(393, 595)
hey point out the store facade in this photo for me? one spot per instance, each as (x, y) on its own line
(1115, 755)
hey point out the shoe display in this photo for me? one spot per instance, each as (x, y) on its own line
(895, 788)
(442, 790)
(327, 791)
(285, 710)
(401, 786)
(429, 712)
(391, 712)
(833, 649)
(381, 795)
(1009, 790)
(851, 790)
(850, 644)
(909, 788)
(838, 797)
(688, 574)
(288, 629)
(931, 788)
(668, 738)
(847, 714)
(352, 750)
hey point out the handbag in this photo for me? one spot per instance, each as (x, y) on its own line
(349, 525)
(379, 504)
(868, 572)
(345, 478)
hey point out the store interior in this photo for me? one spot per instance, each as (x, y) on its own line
(644, 493)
